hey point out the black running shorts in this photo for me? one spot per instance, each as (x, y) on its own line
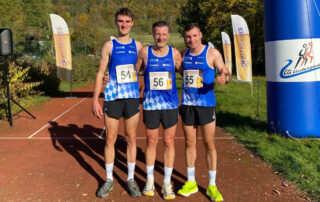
(153, 118)
(196, 115)
(122, 107)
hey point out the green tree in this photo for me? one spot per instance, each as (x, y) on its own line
(36, 14)
(214, 16)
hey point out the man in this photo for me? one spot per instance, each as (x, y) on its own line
(121, 97)
(160, 103)
(198, 106)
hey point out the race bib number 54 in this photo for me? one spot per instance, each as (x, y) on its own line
(126, 73)
(160, 80)
(193, 78)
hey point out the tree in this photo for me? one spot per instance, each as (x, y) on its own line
(214, 16)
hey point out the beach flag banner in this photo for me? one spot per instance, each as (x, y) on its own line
(226, 44)
(62, 45)
(242, 48)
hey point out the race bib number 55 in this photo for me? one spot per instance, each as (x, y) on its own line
(193, 78)
(160, 80)
(126, 73)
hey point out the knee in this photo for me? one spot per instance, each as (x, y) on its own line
(152, 142)
(191, 143)
(131, 140)
(169, 142)
(111, 139)
(210, 146)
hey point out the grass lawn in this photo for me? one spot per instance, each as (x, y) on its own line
(238, 113)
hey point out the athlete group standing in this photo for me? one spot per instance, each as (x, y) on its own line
(124, 57)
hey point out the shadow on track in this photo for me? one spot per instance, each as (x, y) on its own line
(78, 141)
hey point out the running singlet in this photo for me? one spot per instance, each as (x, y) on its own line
(123, 75)
(160, 91)
(198, 79)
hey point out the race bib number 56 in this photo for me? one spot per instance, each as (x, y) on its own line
(193, 78)
(160, 80)
(126, 73)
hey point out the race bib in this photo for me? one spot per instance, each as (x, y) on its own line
(126, 73)
(160, 80)
(193, 78)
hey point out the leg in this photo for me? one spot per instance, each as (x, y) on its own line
(169, 151)
(151, 146)
(109, 153)
(131, 125)
(169, 154)
(208, 132)
(152, 141)
(111, 137)
(190, 133)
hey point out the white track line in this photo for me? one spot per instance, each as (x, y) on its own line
(43, 127)
(95, 138)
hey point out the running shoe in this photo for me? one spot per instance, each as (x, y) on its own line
(133, 189)
(105, 189)
(213, 193)
(148, 190)
(188, 189)
(167, 191)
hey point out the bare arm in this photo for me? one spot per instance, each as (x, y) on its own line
(177, 60)
(105, 56)
(215, 58)
(142, 58)
(182, 57)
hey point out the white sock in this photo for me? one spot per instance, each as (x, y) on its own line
(167, 174)
(131, 167)
(109, 171)
(212, 177)
(150, 172)
(191, 172)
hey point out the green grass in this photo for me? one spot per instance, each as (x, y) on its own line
(296, 159)
(65, 86)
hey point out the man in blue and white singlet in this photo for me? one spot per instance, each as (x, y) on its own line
(198, 106)
(121, 98)
(160, 103)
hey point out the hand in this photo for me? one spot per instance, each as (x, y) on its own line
(106, 78)
(97, 110)
(221, 79)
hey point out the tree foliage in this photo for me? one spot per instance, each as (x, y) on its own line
(214, 16)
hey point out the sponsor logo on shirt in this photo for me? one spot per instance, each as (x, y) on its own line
(120, 47)
(199, 63)
(154, 65)
(120, 52)
(154, 60)
(131, 52)
(166, 65)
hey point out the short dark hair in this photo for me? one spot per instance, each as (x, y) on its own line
(123, 11)
(160, 23)
(190, 26)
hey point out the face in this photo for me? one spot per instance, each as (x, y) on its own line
(161, 36)
(124, 24)
(193, 38)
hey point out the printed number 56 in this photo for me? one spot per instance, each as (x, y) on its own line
(158, 82)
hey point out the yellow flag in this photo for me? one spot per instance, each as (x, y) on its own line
(242, 48)
(226, 43)
(62, 45)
